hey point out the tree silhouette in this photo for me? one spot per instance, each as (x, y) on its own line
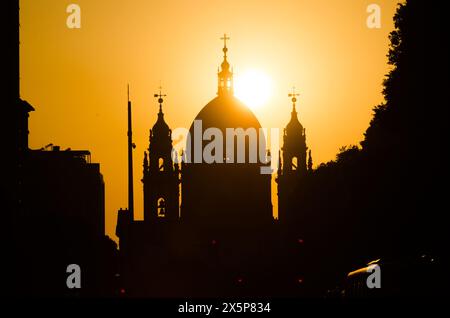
(386, 198)
(405, 139)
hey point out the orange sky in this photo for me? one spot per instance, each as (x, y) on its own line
(76, 78)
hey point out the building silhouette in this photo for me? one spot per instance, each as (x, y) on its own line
(208, 228)
(56, 198)
(221, 239)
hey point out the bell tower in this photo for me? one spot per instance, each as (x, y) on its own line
(294, 143)
(161, 174)
(293, 165)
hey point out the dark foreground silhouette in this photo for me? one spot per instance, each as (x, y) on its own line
(383, 199)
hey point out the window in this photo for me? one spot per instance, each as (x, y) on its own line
(161, 164)
(294, 163)
(161, 208)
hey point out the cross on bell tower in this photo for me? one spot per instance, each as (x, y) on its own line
(160, 98)
(294, 96)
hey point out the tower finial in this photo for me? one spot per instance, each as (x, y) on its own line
(225, 49)
(294, 98)
(225, 86)
(160, 98)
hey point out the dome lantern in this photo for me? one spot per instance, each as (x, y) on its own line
(225, 75)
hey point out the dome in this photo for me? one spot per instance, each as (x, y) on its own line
(227, 112)
(226, 188)
(226, 193)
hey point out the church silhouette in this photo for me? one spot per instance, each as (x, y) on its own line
(208, 228)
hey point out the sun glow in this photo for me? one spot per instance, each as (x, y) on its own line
(253, 87)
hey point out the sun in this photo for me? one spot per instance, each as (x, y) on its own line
(253, 87)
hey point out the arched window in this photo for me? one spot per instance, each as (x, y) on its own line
(161, 208)
(294, 163)
(161, 164)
